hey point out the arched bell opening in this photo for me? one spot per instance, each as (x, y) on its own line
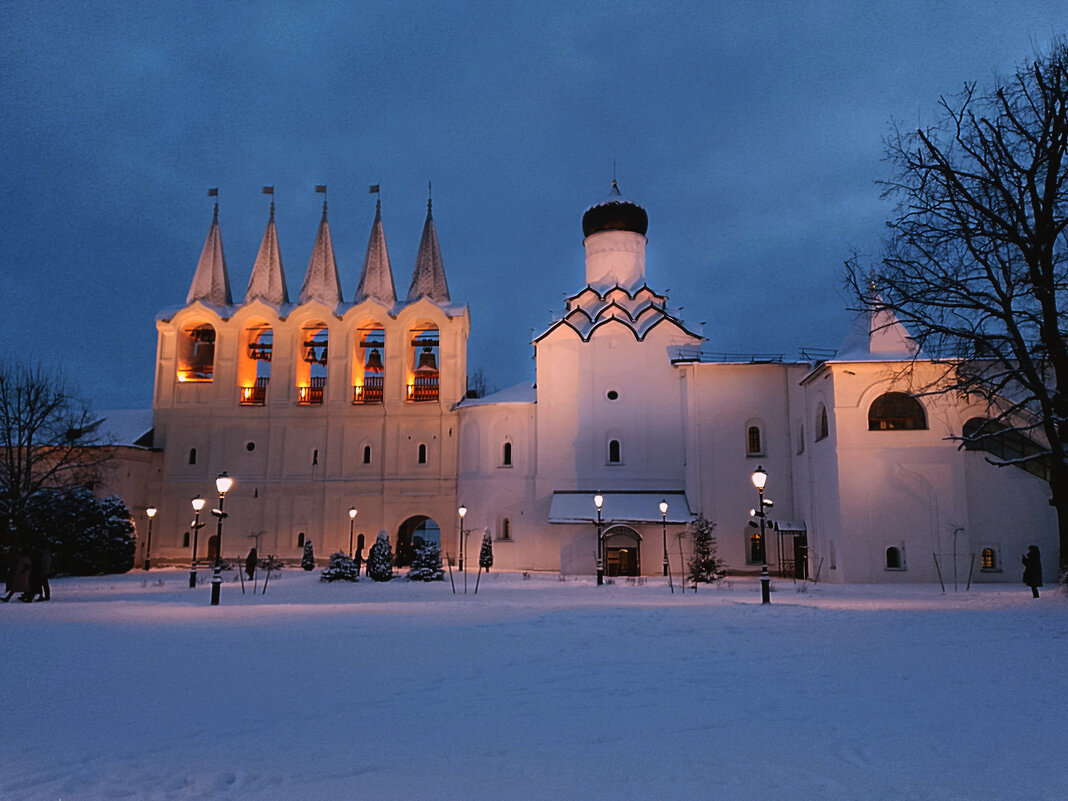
(311, 369)
(424, 355)
(369, 366)
(196, 353)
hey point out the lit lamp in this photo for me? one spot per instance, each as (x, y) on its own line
(598, 502)
(760, 480)
(198, 504)
(150, 512)
(352, 526)
(663, 523)
(462, 511)
(222, 483)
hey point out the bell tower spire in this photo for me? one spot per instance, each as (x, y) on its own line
(268, 280)
(321, 281)
(376, 278)
(428, 279)
(211, 282)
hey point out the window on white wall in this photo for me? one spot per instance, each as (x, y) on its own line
(754, 445)
(422, 453)
(823, 429)
(506, 455)
(506, 529)
(896, 411)
(615, 452)
(367, 454)
(895, 558)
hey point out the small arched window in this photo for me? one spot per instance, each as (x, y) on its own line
(989, 559)
(300, 540)
(506, 455)
(615, 452)
(506, 529)
(315, 457)
(185, 540)
(896, 411)
(823, 430)
(192, 456)
(753, 445)
(367, 454)
(895, 558)
(422, 453)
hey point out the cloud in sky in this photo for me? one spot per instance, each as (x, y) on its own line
(750, 132)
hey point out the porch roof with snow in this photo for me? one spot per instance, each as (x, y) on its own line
(638, 506)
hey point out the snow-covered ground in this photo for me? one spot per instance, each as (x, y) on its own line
(134, 687)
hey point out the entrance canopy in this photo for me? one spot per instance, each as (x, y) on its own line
(640, 506)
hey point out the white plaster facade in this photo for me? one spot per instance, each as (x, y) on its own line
(623, 404)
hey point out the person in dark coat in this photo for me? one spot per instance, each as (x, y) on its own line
(1032, 575)
(18, 577)
(250, 563)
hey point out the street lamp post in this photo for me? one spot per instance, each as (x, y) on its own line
(198, 504)
(352, 526)
(150, 512)
(222, 483)
(663, 523)
(462, 511)
(760, 480)
(598, 502)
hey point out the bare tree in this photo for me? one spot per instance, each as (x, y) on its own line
(975, 262)
(48, 441)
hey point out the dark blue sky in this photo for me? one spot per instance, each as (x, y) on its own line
(751, 132)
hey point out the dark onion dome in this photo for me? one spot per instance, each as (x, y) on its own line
(615, 214)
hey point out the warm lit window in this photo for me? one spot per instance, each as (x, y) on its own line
(896, 411)
(988, 559)
(423, 379)
(752, 441)
(312, 367)
(254, 368)
(756, 548)
(369, 368)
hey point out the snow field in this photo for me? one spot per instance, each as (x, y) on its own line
(134, 687)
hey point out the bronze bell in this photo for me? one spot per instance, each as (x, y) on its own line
(374, 362)
(427, 362)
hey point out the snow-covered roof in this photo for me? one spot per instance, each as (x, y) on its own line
(211, 282)
(268, 279)
(376, 278)
(642, 506)
(321, 281)
(126, 426)
(428, 278)
(520, 393)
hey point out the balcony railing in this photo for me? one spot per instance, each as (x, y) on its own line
(255, 395)
(423, 388)
(313, 394)
(371, 391)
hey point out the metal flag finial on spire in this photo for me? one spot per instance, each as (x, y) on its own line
(214, 192)
(321, 189)
(269, 190)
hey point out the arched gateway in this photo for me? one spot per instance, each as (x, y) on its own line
(411, 532)
(622, 551)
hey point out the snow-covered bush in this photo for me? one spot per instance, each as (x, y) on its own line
(485, 556)
(87, 535)
(341, 568)
(426, 564)
(307, 561)
(380, 559)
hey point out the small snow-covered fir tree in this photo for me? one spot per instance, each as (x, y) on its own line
(426, 563)
(307, 561)
(341, 568)
(485, 556)
(704, 566)
(380, 559)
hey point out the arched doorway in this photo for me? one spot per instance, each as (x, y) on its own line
(412, 533)
(622, 552)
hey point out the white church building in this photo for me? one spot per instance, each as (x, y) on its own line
(342, 417)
